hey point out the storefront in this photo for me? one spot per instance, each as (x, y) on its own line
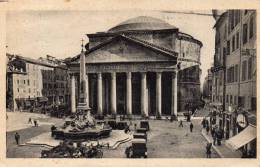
(243, 134)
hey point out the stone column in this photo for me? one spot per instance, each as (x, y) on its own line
(129, 93)
(174, 94)
(113, 93)
(158, 94)
(99, 95)
(73, 94)
(87, 91)
(143, 95)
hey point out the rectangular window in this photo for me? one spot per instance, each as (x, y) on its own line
(227, 99)
(253, 103)
(17, 89)
(17, 81)
(245, 33)
(220, 79)
(231, 99)
(241, 101)
(28, 82)
(236, 73)
(228, 47)
(251, 28)
(244, 70)
(249, 68)
(23, 81)
(237, 42)
(232, 74)
(235, 100)
(232, 18)
(233, 43)
(29, 90)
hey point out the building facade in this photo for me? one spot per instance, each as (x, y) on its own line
(234, 71)
(207, 86)
(140, 67)
(32, 83)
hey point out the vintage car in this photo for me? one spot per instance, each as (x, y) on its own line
(145, 124)
(140, 136)
(112, 124)
(138, 149)
(141, 130)
(68, 151)
(121, 125)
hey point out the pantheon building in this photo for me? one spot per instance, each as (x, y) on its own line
(142, 66)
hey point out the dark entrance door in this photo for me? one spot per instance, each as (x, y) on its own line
(151, 85)
(121, 93)
(136, 93)
(166, 93)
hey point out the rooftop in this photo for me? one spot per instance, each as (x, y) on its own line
(142, 23)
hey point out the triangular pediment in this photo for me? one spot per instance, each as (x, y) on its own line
(123, 50)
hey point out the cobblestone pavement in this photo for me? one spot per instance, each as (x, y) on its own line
(165, 140)
(14, 119)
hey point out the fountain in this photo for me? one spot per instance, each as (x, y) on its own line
(81, 125)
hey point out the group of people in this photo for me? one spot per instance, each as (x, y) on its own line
(34, 122)
(191, 125)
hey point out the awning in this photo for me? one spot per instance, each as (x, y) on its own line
(243, 138)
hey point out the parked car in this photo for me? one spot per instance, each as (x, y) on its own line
(141, 130)
(138, 149)
(145, 124)
(140, 136)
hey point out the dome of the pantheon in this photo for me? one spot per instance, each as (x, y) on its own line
(142, 23)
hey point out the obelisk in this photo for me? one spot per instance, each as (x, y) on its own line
(83, 101)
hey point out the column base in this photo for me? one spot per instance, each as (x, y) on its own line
(129, 116)
(158, 116)
(174, 118)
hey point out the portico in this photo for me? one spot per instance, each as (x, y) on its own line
(116, 92)
(125, 83)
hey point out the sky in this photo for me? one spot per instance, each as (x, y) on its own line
(58, 33)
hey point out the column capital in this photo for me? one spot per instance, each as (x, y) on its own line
(174, 74)
(113, 75)
(158, 75)
(128, 75)
(143, 74)
(99, 75)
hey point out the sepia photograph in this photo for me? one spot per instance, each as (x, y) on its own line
(131, 84)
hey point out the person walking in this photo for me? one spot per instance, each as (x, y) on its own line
(208, 150)
(191, 127)
(203, 123)
(180, 125)
(35, 123)
(214, 138)
(30, 120)
(17, 138)
(207, 129)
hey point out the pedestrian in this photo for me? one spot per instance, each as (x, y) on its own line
(30, 120)
(203, 122)
(35, 123)
(214, 138)
(208, 150)
(17, 138)
(207, 129)
(212, 131)
(191, 127)
(180, 125)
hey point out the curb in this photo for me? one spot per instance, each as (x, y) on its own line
(214, 147)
